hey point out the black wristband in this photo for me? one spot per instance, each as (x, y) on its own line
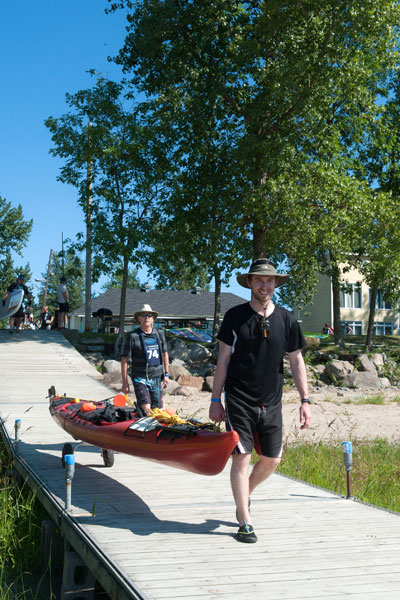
(307, 400)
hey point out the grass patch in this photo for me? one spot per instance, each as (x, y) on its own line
(375, 472)
(21, 516)
(378, 399)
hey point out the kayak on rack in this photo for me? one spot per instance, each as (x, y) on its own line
(161, 436)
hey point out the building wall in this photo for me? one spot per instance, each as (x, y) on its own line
(321, 310)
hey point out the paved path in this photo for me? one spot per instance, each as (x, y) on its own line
(171, 533)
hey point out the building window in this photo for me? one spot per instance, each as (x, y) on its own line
(352, 327)
(380, 302)
(350, 295)
(382, 328)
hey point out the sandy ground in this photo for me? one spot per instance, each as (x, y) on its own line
(337, 416)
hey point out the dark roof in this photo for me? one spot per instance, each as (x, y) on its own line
(167, 303)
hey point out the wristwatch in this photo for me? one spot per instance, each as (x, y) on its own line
(308, 400)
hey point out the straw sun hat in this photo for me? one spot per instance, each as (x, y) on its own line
(145, 310)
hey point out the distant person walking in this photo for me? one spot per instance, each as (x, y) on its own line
(348, 330)
(147, 349)
(46, 318)
(19, 316)
(63, 302)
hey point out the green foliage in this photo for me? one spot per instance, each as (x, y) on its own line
(107, 156)
(378, 399)
(71, 267)
(14, 229)
(265, 110)
(20, 522)
(374, 471)
(116, 277)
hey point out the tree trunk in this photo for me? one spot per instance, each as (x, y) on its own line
(122, 307)
(88, 275)
(338, 334)
(259, 236)
(370, 329)
(217, 303)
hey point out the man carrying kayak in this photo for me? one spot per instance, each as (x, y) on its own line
(253, 339)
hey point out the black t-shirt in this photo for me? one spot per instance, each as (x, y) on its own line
(18, 286)
(255, 371)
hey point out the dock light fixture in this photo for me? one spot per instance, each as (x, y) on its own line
(347, 449)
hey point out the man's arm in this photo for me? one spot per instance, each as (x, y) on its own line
(165, 359)
(217, 411)
(299, 372)
(124, 374)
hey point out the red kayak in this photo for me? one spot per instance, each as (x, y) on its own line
(191, 446)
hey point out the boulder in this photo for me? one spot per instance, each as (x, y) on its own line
(183, 391)
(112, 378)
(178, 349)
(318, 369)
(336, 370)
(366, 364)
(191, 381)
(111, 366)
(362, 379)
(385, 382)
(198, 353)
(378, 360)
(176, 369)
(208, 383)
(312, 342)
(171, 387)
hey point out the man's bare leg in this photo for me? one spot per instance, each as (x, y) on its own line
(261, 471)
(240, 485)
(243, 485)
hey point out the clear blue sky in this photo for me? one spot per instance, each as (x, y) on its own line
(46, 47)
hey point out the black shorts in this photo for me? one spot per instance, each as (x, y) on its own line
(64, 307)
(249, 421)
(19, 314)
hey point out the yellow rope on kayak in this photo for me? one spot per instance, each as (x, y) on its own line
(167, 418)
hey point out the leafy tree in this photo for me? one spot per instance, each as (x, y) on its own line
(14, 234)
(379, 164)
(122, 187)
(72, 268)
(295, 84)
(14, 229)
(116, 278)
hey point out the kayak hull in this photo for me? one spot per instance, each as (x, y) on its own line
(204, 451)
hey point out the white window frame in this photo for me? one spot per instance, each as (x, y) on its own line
(383, 325)
(350, 299)
(380, 303)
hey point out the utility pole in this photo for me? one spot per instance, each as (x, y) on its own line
(62, 254)
(46, 285)
(88, 276)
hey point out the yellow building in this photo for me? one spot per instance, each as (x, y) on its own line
(354, 308)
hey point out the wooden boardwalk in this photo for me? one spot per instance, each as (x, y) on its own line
(168, 534)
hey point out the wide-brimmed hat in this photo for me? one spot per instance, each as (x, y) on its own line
(262, 266)
(146, 309)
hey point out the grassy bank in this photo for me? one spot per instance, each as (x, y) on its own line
(21, 516)
(375, 473)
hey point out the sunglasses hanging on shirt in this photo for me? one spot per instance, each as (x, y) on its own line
(264, 326)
